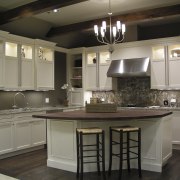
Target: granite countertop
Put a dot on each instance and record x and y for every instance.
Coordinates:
(127, 114)
(29, 110)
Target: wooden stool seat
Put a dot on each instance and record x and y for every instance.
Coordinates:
(124, 128)
(92, 130)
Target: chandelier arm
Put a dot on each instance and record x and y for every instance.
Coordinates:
(119, 35)
(106, 39)
(120, 40)
(101, 41)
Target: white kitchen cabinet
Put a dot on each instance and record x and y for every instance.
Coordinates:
(176, 129)
(19, 63)
(44, 59)
(105, 83)
(91, 71)
(27, 66)
(38, 132)
(11, 65)
(6, 134)
(76, 97)
(29, 131)
(22, 133)
(165, 66)
(174, 65)
(159, 79)
(75, 75)
(97, 65)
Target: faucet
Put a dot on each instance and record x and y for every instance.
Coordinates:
(25, 100)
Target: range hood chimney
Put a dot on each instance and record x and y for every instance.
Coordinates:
(129, 67)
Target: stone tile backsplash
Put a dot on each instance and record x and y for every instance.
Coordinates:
(136, 91)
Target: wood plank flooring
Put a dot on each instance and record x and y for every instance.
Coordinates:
(32, 166)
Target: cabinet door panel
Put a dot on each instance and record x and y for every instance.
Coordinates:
(176, 127)
(174, 73)
(158, 75)
(11, 73)
(45, 75)
(6, 137)
(27, 75)
(105, 82)
(91, 78)
(76, 97)
(22, 134)
(38, 132)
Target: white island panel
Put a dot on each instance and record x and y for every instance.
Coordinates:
(156, 142)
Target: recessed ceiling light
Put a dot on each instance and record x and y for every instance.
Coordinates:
(55, 10)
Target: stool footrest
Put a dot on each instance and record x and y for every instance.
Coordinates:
(92, 150)
(88, 162)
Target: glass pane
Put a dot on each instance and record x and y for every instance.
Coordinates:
(91, 58)
(11, 49)
(26, 52)
(104, 57)
(174, 51)
(158, 53)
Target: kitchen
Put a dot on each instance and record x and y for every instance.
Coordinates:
(154, 97)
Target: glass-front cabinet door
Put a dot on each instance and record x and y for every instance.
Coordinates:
(158, 67)
(91, 71)
(174, 65)
(105, 83)
(11, 78)
(27, 66)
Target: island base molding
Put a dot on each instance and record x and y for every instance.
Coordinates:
(156, 142)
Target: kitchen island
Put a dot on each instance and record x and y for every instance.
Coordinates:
(61, 136)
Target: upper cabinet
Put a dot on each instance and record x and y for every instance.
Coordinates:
(44, 59)
(11, 65)
(75, 75)
(91, 71)
(19, 63)
(159, 79)
(97, 64)
(165, 65)
(174, 65)
(26, 64)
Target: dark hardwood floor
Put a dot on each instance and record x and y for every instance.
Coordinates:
(32, 166)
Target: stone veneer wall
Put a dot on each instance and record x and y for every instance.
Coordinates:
(136, 91)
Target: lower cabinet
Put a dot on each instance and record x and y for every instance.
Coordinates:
(21, 131)
(6, 136)
(176, 129)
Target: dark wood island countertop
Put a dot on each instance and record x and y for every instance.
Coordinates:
(119, 115)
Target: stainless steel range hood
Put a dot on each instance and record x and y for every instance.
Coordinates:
(129, 67)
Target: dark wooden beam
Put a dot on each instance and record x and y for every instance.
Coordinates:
(126, 18)
(33, 8)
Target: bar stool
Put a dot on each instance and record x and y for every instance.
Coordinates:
(129, 148)
(82, 148)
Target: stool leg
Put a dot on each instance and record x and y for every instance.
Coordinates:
(77, 146)
(81, 154)
(139, 153)
(110, 151)
(128, 160)
(121, 154)
(97, 147)
(103, 156)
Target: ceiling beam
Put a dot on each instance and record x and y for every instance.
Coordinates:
(126, 18)
(34, 8)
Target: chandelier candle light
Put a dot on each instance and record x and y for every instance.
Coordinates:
(116, 33)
